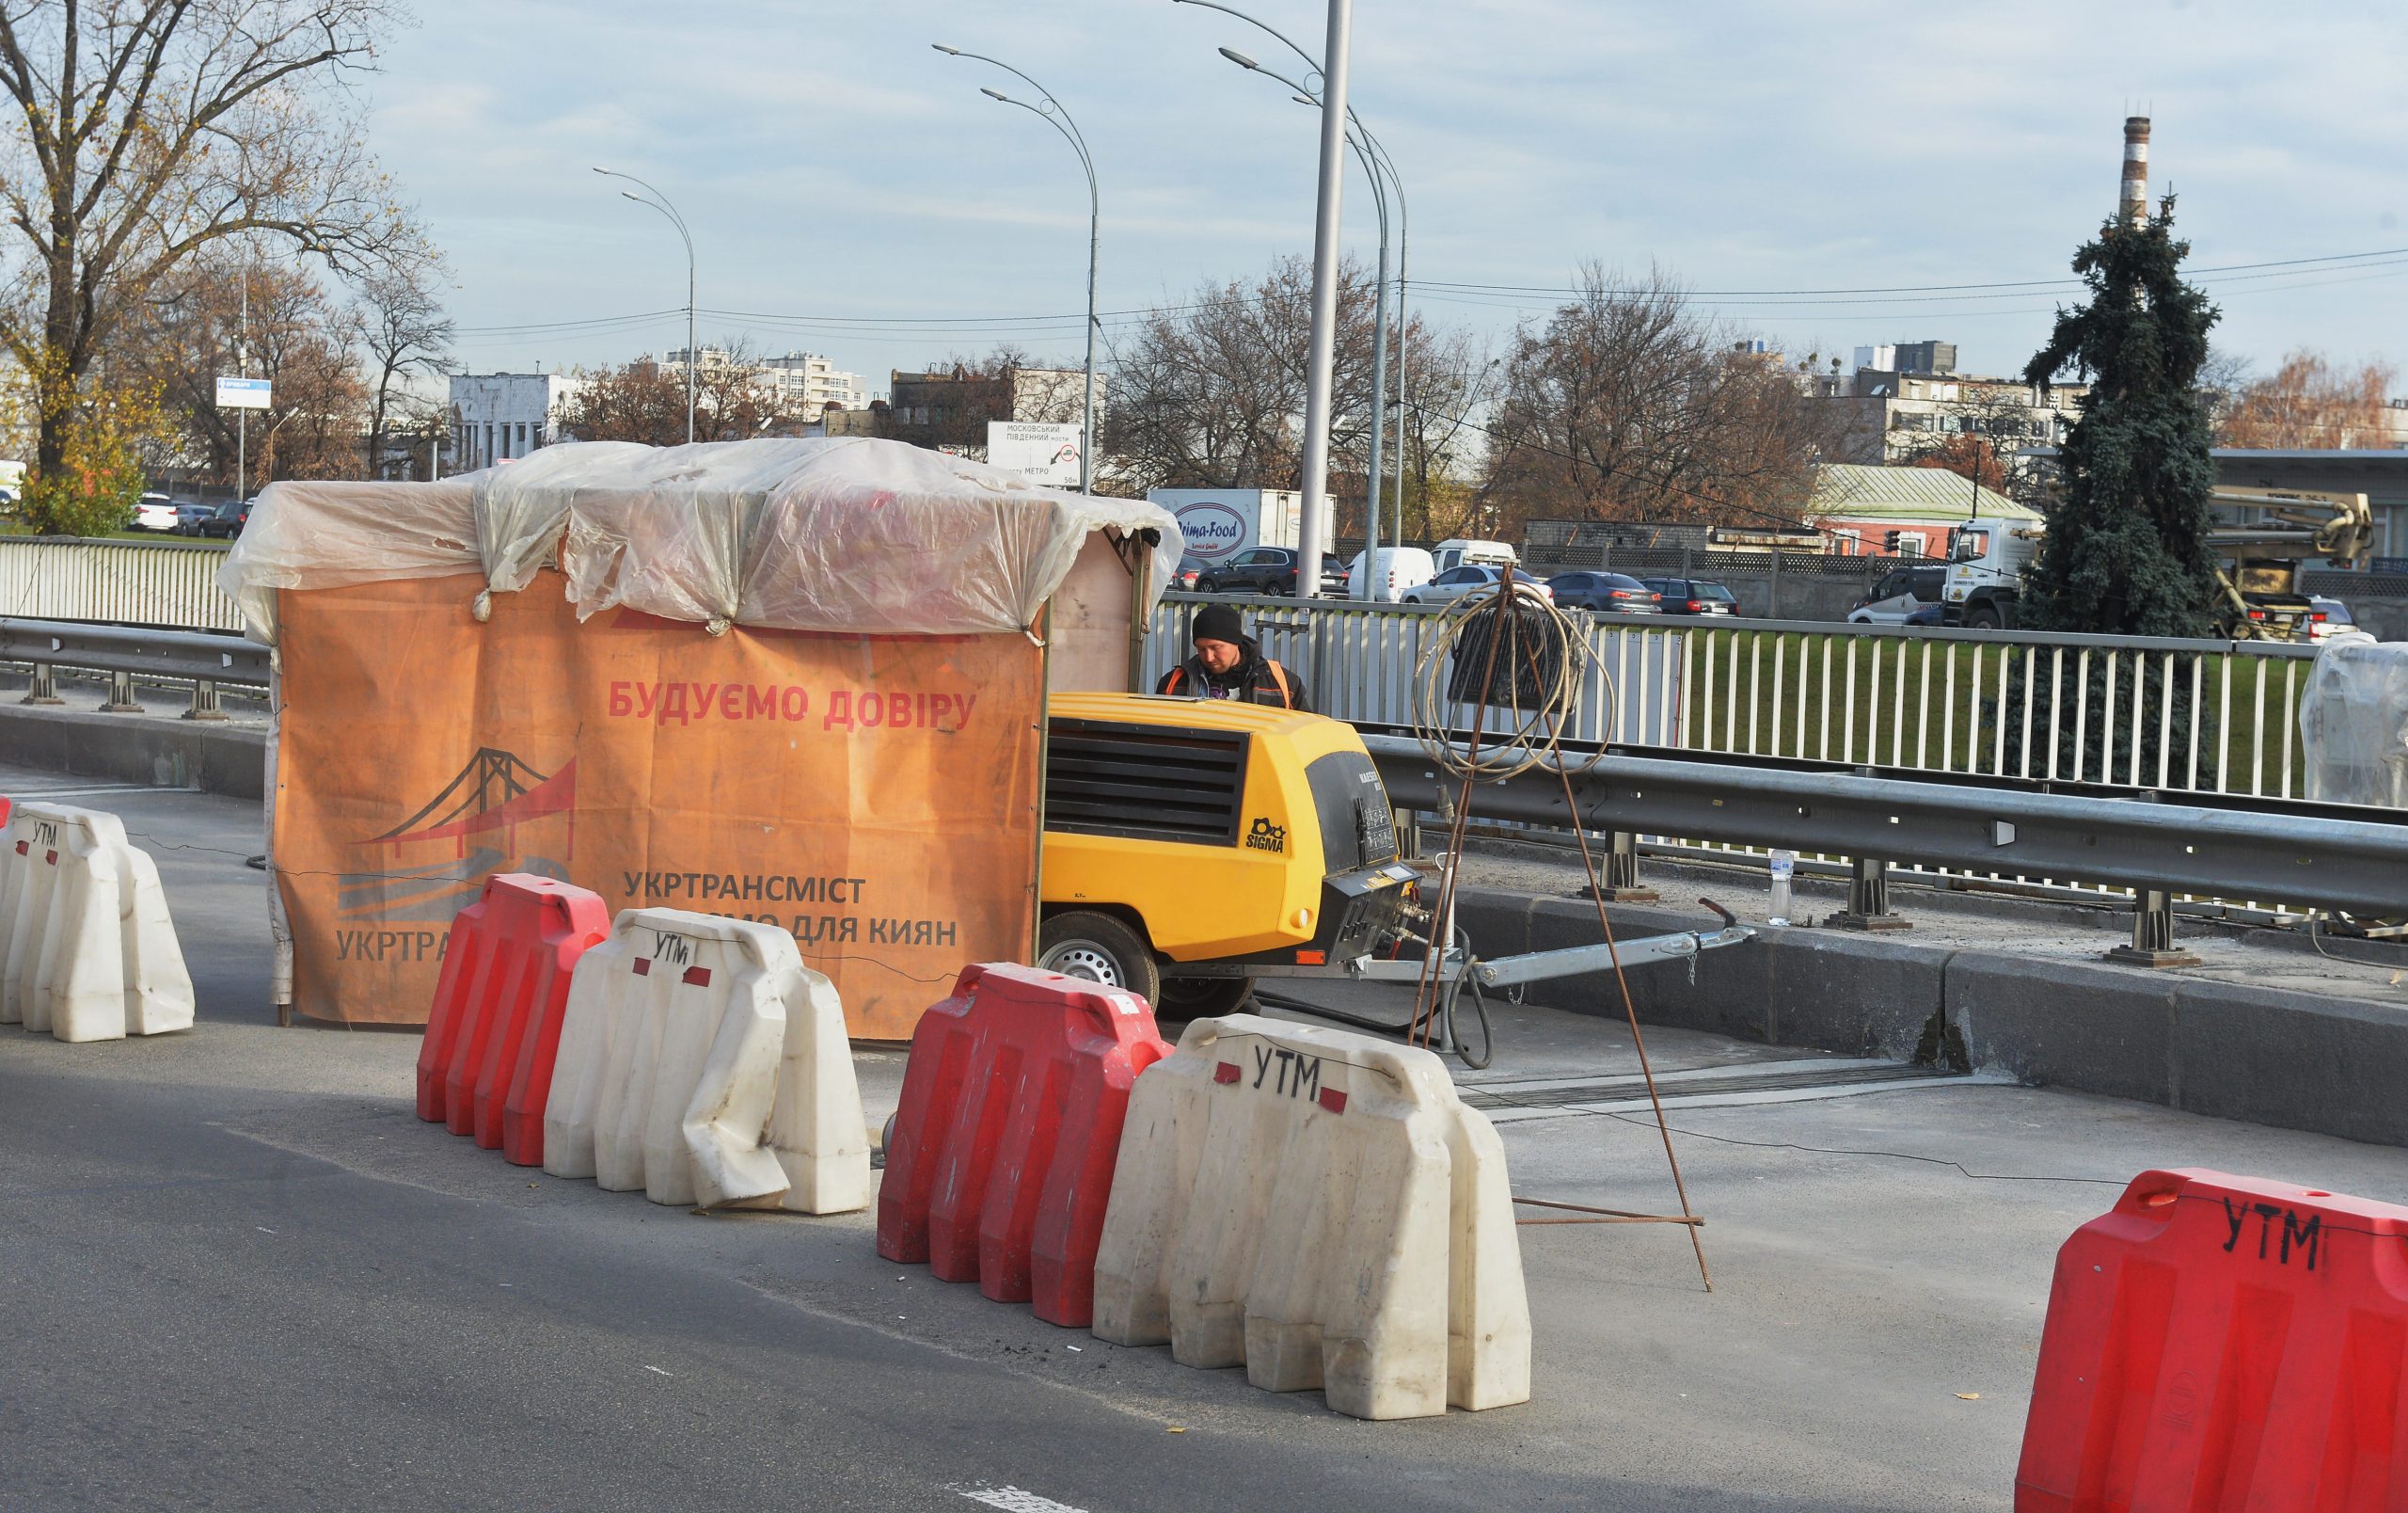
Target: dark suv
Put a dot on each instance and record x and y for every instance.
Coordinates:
(227, 519)
(1270, 571)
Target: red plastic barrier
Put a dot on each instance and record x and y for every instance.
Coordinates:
(2220, 1342)
(1002, 1156)
(485, 1066)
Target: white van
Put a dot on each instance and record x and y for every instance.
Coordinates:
(1457, 552)
(1401, 568)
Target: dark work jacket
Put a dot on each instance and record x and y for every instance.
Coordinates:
(1256, 678)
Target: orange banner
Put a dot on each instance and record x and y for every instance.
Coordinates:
(875, 795)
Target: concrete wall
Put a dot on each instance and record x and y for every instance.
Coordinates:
(130, 748)
(2385, 619)
(2264, 1055)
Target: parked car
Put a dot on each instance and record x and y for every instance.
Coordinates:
(227, 519)
(1692, 595)
(189, 516)
(1604, 592)
(1894, 597)
(1457, 581)
(154, 512)
(1926, 614)
(2327, 617)
(1270, 571)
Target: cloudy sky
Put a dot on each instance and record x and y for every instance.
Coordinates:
(1813, 170)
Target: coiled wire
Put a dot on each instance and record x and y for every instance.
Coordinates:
(1526, 633)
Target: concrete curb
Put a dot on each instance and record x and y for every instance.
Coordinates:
(134, 748)
(2268, 1055)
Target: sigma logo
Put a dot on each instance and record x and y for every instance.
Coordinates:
(1211, 531)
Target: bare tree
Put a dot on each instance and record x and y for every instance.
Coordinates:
(645, 402)
(1210, 393)
(1628, 405)
(194, 327)
(1450, 382)
(2311, 400)
(151, 130)
(405, 333)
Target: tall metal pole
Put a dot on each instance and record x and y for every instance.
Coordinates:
(661, 202)
(1086, 411)
(1396, 182)
(1403, 328)
(1325, 327)
(1060, 120)
(242, 417)
(1378, 397)
(694, 353)
(1359, 140)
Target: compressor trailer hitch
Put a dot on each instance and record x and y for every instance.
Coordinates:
(1460, 972)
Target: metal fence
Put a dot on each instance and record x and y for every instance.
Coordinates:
(2118, 713)
(1359, 663)
(2209, 716)
(163, 582)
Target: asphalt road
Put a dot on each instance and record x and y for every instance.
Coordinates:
(245, 1275)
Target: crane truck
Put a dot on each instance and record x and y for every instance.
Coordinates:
(2260, 561)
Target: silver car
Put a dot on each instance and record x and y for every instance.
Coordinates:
(1457, 581)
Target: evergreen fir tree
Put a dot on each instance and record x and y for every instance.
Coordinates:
(2124, 552)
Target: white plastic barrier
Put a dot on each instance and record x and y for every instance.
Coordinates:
(703, 1063)
(87, 950)
(1321, 1207)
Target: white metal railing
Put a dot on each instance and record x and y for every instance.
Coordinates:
(172, 583)
(2204, 716)
(1357, 661)
(2207, 716)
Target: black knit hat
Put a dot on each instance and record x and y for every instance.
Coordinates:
(1217, 622)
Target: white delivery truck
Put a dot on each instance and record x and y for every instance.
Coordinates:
(1455, 552)
(1218, 523)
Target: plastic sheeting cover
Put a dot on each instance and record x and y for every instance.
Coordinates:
(844, 535)
(2353, 722)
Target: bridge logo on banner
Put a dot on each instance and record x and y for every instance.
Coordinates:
(478, 814)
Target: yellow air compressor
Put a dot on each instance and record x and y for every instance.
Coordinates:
(1192, 844)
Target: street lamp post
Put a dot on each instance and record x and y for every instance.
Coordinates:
(661, 202)
(1325, 330)
(1396, 182)
(1059, 119)
(1356, 138)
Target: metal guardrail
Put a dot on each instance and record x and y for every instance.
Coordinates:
(2359, 865)
(126, 653)
(165, 583)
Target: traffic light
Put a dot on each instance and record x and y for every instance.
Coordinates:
(1890, 542)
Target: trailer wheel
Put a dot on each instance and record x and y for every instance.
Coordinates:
(1184, 999)
(1099, 948)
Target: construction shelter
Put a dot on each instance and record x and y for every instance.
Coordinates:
(793, 681)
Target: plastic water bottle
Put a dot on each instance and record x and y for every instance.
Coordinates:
(1784, 866)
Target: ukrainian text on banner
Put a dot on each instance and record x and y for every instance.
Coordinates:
(874, 795)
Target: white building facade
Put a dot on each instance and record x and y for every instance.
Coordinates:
(497, 416)
(803, 383)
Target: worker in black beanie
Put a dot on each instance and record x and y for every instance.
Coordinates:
(1227, 664)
